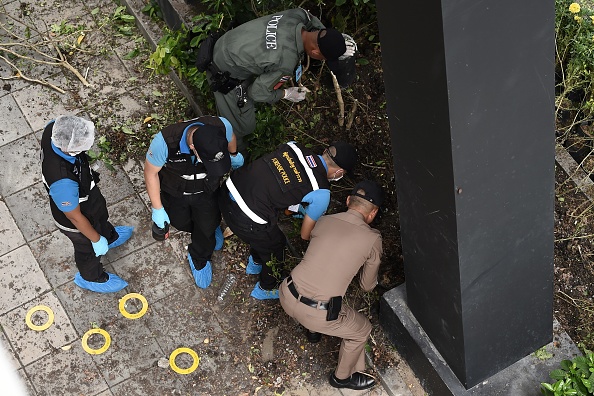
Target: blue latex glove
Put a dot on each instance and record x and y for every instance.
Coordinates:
(237, 161)
(100, 247)
(160, 217)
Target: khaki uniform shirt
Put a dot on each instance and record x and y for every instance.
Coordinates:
(266, 49)
(340, 245)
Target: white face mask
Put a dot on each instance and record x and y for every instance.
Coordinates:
(74, 153)
(334, 178)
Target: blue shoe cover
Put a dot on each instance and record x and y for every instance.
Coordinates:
(124, 232)
(252, 267)
(219, 239)
(260, 294)
(114, 284)
(202, 277)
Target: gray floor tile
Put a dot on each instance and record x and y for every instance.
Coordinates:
(115, 185)
(8, 353)
(31, 210)
(55, 255)
(70, 372)
(11, 235)
(88, 309)
(130, 212)
(40, 106)
(20, 166)
(30, 345)
(133, 349)
(152, 272)
(21, 279)
(12, 123)
(157, 381)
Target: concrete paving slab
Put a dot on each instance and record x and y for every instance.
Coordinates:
(8, 351)
(11, 236)
(130, 212)
(45, 14)
(70, 372)
(12, 123)
(31, 210)
(55, 255)
(19, 165)
(115, 185)
(152, 272)
(40, 106)
(26, 381)
(88, 309)
(21, 279)
(155, 381)
(133, 350)
(31, 345)
(135, 171)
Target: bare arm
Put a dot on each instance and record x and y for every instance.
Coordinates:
(153, 184)
(232, 146)
(82, 224)
(306, 227)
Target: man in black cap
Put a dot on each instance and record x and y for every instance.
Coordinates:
(252, 62)
(183, 170)
(290, 176)
(340, 245)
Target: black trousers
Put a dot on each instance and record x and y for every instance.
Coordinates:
(88, 264)
(199, 215)
(267, 241)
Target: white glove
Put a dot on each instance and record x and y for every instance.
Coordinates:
(295, 94)
(351, 47)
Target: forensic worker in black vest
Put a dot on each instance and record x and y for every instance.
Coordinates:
(292, 177)
(78, 207)
(252, 62)
(183, 171)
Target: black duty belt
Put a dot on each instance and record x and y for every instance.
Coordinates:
(307, 301)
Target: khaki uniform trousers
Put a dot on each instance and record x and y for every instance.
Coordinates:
(351, 326)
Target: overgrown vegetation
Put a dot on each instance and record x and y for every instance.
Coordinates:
(575, 377)
(275, 124)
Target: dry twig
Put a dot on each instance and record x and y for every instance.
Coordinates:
(339, 99)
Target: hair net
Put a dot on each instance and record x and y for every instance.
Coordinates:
(71, 133)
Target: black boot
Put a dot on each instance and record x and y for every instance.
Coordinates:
(313, 336)
(357, 381)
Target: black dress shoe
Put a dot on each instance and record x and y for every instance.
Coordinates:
(357, 381)
(313, 336)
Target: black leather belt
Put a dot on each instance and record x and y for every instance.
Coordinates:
(307, 301)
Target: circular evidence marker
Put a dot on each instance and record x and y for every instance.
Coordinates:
(98, 351)
(190, 352)
(140, 313)
(50, 317)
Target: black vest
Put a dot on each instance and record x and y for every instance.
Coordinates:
(278, 180)
(180, 175)
(54, 168)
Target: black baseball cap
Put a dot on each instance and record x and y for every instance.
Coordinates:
(346, 156)
(373, 192)
(332, 46)
(331, 43)
(210, 142)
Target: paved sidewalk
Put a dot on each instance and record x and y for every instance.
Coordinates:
(36, 260)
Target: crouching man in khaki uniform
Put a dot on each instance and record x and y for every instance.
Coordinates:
(340, 245)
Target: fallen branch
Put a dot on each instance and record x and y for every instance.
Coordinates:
(352, 115)
(20, 75)
(339, 99)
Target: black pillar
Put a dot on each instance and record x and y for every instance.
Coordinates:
(470, 92)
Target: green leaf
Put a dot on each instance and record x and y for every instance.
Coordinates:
(127, 130)
(558, 374)
(132, 54)
(340, 2)
(362, 61)
(157, 93)
(94, 11)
